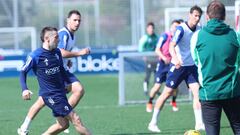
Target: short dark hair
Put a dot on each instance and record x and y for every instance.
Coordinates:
(46, 29)
(73, 12)
(176, 21)
(217, 10)
(150, 24)
(181, 20)
(197, 8)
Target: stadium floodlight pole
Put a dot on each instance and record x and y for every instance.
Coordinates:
(60, 13)
(133, 22)
(15, 23)
(137, 20)
(86, 28)
(97, 23)
(142, 17)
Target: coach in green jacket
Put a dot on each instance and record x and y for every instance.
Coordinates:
(148, 43)
(215, 51)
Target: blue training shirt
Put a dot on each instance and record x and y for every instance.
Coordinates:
(48, 67)
(163, 38)
(178, 34)
(182, 38)
(66, 42)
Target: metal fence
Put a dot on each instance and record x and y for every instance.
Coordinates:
(105, 23)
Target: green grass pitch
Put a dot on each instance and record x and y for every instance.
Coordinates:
(98, 109)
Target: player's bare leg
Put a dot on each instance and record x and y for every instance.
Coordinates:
(35, 108)
(152, 94)
(32, 112)
(173, 102)
(77, 91)
(199, 125)
(167, 92)
(154, 90)
(61, 124)
(80, 128)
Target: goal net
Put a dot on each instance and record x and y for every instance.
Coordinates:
(131, 78)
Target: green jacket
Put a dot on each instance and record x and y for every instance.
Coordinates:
(148, 43)
(215, 51)
(238, 35)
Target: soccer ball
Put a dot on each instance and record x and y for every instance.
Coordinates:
(192, 132)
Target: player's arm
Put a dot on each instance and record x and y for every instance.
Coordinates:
(26, 93)
(63, 43)
(68, 54)
(193, 44)
(142, 41)
(160, 44)
(176, 38)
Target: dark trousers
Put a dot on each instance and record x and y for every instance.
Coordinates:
(211, 111)
(150, 67)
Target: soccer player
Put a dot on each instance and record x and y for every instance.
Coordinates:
(148, 43)
(66, 44)
(46, 62)
(215, 50)
(182, 68)
(162, 50)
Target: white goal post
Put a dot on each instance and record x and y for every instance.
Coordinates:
(121, 73)
(131, 76)
(14, 36)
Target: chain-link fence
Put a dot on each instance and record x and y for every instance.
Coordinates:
(105, 23)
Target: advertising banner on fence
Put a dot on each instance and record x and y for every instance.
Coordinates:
(96, 62)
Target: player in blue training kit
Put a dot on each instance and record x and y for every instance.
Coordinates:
(47, 64)
(162, 50)
(66, 44)
(182, 67)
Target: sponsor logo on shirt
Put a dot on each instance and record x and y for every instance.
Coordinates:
(46, 61)
(50, 100)
(53, 70)
(57, 56)
(66, 108)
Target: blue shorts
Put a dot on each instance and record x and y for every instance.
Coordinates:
(71, 77)
(59, 105)
(176, 76)
(161, 72)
